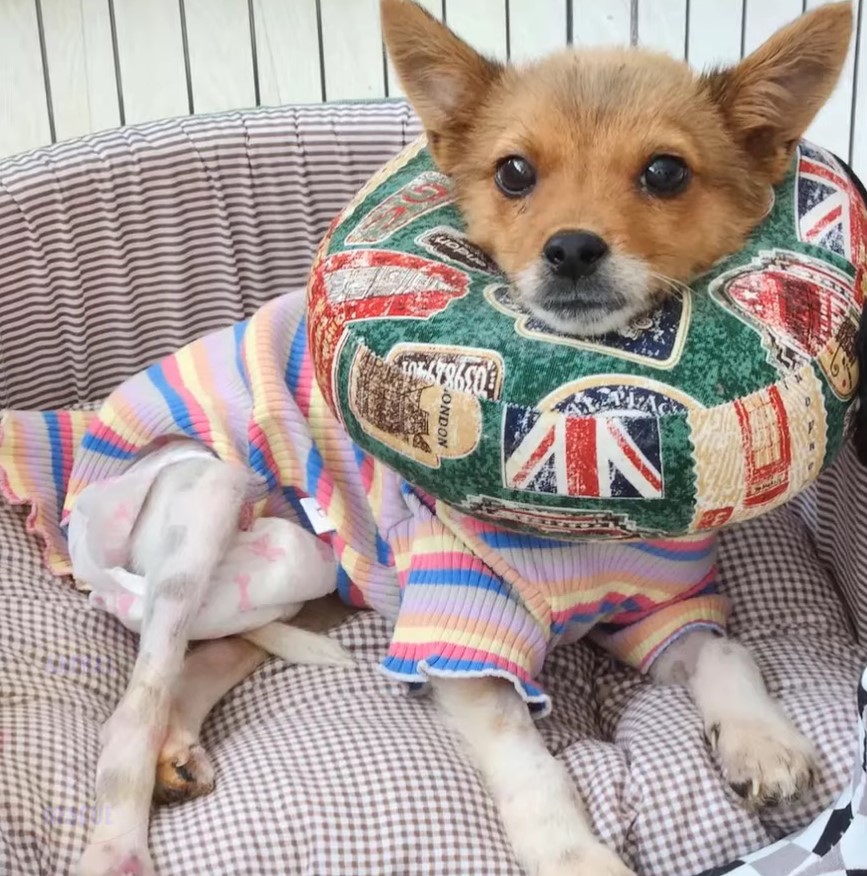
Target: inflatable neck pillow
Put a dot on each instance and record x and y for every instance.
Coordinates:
(720, 405)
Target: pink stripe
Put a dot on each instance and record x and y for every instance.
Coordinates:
(366, 470)
(194, 409)
(106, 433)
(629, 617)
(324, 490)
(449, 560)
(678, 545)
(66, 443)
(305, 385)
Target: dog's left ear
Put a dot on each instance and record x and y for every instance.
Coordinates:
(445, 79)
(770, 98)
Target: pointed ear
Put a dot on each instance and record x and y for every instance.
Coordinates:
(770, 98)
(444, 79)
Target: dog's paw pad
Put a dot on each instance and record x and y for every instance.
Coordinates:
(113, 859)
(183, 773)
(766, 763)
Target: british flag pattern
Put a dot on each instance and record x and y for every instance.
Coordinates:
(582, 456)
(830, 212)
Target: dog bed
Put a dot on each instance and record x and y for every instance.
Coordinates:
(433, 368)
(121, 247)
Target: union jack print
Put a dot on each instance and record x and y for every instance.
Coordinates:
(831, 213)
(602, 457)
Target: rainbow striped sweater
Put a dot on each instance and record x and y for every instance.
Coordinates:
(465, 597)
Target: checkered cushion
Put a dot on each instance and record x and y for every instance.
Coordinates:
(119, 249)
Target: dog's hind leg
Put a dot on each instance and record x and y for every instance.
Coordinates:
(210, 671)
(190, 515)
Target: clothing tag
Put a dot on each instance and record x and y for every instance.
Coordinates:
(317, 517)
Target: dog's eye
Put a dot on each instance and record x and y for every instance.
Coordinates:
(665, 176)
(515, 176)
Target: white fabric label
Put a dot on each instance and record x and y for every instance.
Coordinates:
(317, 517)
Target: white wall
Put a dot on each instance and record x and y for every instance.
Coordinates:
(68, 67)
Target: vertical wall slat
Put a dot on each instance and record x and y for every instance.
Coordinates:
(714, 32)
(81, 66)
(352, 46)
(287, 51)
(482, 23)
(601, 23)
(662, 26)
(763, 17)
(435, 7)
(859, 132)
(23, 103)
(151, 51)
(831, 126)
(221, 63)
(150, 54)
(536, 27)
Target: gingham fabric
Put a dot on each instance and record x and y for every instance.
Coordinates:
(116, 250)
(834, 844)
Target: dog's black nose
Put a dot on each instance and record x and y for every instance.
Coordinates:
(574, 254)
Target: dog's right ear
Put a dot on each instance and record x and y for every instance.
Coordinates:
(444, 78)
(770, 97)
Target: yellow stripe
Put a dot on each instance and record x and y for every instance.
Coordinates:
(636, 642)
(605, 586)
(269, 392)
(503, 648)
(190, 359)
(322, 431)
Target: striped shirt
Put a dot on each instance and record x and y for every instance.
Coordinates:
(465, 596)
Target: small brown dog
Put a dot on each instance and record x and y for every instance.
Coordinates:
(599, 181)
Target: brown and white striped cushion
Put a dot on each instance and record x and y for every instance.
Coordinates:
(118, 249)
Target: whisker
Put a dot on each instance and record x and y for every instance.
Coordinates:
(670, 284)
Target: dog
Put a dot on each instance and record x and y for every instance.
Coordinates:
(600, 181)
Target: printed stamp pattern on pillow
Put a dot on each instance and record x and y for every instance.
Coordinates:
(722, 404)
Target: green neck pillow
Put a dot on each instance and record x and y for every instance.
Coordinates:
(720, 405)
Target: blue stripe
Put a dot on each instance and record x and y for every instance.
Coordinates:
(56, 445)
(239, 330)
(294, 501)
(343, 583)
(503, 539)
(296, 357)
(606, 607)
(404, 666)
(314, 470)
(665, 554)
(383, 551)
(460, 578)
(260, 465)
(105, 447)
(360, 455)
(177, 406)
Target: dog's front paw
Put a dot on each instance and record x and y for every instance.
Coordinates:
(766, 761)
(184, 771)
(115, 858)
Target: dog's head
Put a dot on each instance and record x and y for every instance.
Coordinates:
(600, 180)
